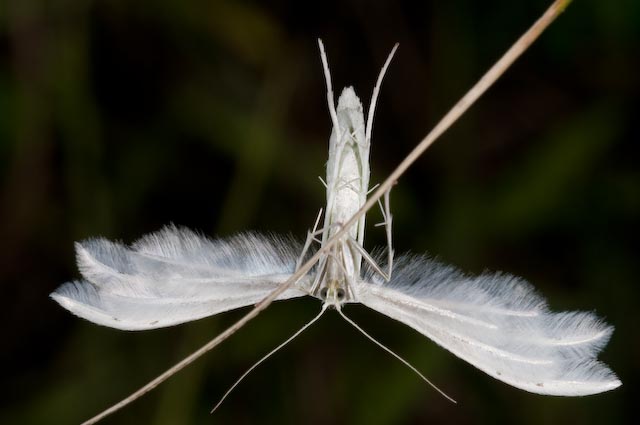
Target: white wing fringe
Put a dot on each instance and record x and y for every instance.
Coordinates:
(498, 323)
(174, 276)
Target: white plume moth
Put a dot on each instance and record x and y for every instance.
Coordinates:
(494, 321)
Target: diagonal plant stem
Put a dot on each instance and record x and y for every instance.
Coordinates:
(451, 117)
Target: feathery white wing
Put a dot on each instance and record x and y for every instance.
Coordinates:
(174, 276)
(497, 323)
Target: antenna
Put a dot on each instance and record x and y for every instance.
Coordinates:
(388, 350)
(269, 354)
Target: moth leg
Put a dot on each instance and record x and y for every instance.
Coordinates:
(330, 100)
(339, 256)
(374, 97)
(322, 269)
(322, 262)
(372, 189)
(311, 237)
(349, 277)
(342, 140)
(368, 258)
(388, 221)
(350, 185)
(362, 145)
(355, 140)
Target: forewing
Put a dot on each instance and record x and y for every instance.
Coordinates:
(174, 276)
(497, 323)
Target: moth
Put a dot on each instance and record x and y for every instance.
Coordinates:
(495, 321)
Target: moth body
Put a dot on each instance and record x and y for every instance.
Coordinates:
(347, 185)
(347, 167)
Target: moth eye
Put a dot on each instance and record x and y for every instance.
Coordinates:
(340, 294)
(323, 293)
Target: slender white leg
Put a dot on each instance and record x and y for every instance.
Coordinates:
(388, 221)
(368, 258)
(376, 90)
(330, 100)
(311, 236)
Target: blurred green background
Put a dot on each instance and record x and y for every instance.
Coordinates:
(117, 117)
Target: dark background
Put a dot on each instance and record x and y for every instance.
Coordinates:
(117, 117)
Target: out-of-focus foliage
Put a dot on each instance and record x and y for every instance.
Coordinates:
(117, 117)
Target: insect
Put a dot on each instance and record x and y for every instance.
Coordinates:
(496, 322)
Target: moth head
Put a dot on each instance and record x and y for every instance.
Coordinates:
(333, 294)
